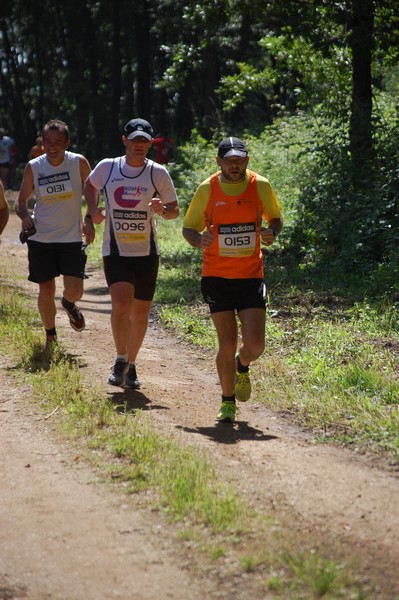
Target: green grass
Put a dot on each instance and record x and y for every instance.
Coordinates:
(330, 363)
(330, 359)
(184, 482)
(331, 356)
(336, 379)
(333, 375)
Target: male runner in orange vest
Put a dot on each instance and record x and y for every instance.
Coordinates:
(229, 208)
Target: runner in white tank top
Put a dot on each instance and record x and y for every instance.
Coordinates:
(135, 189)
(55, 228)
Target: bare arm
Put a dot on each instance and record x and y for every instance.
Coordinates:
(198, 240)
(268, 234)
(88, 227)
(21, 205)
(84, 168)
(167, 211)
(4, 210)
(92, 196)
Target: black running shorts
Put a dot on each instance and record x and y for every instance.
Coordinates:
(47, 261)
(233, 294)
(140, 271)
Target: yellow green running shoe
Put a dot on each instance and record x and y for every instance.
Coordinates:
(227, 412)
(243, 387)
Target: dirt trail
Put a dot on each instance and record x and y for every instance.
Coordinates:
(64, 535)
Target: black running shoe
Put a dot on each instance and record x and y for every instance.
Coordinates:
(76, 319)
(117, 374)
(131, 381)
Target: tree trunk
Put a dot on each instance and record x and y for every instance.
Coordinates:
(360, 133)
(114, 131)
(144, 63)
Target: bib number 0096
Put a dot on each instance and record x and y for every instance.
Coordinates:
(132, 226)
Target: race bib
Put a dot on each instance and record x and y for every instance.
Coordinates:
(237, 240)
(55, 188)
(130, 225)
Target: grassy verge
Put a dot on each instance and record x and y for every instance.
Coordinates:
(219, 524)
(330, 359)
(334, 376)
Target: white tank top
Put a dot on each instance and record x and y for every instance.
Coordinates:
(58, 208)
(130, 228)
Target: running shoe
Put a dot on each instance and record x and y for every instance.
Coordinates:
(117, 374)
(242, 388)
(227, 412)
(76, 319)
(131, 381)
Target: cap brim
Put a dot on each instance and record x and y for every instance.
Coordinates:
(139, 134)
(235, 153)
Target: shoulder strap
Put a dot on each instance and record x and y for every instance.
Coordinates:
(152, 179)
(112, 168)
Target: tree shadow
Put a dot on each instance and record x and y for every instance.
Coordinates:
(231, 433)
(102, 305)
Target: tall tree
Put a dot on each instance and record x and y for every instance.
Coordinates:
(361, 42)
(214, 65)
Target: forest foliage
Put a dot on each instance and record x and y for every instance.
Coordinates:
(316, 81)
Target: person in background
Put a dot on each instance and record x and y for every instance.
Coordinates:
(229, 208)
(8, 158)
(55, 247)
(4, 210)
(37, 149)
(136, 189)
(163, 146)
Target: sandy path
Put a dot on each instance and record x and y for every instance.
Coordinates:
(65, 535)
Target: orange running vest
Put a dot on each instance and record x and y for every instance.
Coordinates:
(235, 252)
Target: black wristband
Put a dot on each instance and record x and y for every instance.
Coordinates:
(275, 232)
(88, 217)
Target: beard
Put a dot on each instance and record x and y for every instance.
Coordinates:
(234, 174)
